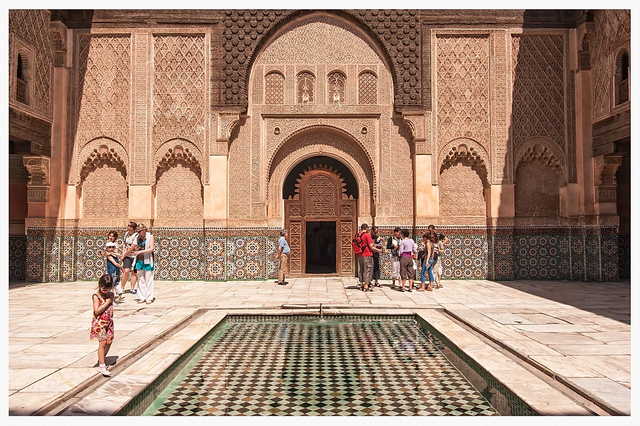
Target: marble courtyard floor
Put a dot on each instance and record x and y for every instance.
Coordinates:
(564, 347)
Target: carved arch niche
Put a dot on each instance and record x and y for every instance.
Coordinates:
(321, 196)
(178, 189)
(103, 187)
(538, 178)
(463, 181)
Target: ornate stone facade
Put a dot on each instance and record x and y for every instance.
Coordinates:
(470, 120)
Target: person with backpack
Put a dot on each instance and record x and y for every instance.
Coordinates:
(393, 244)
(364, 248)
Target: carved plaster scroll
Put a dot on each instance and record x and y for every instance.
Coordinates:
(227, 123)
(605, 168)
(415, 122)
(38, 184)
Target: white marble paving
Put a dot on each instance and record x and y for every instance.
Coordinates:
(569, 326)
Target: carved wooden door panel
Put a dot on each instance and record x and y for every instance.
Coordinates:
(321, 197)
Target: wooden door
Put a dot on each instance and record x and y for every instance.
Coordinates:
(321, 196)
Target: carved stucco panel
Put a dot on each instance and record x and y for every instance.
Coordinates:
(319, 39)
(538, 88)
(31, 28)
(103, 103)
(462, 83)
(612, 28)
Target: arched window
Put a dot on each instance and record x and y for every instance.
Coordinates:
(274, 88)
(622, 77)
(21, 86)
(306, 86)
(336, 83)
(367, 88)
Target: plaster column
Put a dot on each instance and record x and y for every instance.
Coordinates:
(501, 201)
(215, 194)
(426, 193)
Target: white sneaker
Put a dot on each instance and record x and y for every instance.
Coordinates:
(104, 371)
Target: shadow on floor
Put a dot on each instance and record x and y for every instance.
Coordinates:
(611, 300)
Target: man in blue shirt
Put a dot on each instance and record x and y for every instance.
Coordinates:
(283, 254)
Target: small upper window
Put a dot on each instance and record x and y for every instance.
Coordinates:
(367, 88)
(274, 88)
(21, 86)
(336, 82)
(622, 77)
(306, 83)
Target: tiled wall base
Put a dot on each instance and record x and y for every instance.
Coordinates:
(594, 254)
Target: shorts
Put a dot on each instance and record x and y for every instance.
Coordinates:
(406, 268)
(130, 263)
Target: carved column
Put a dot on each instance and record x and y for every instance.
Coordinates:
(63, 196)
(38, 186)
(426, 201)
(605, 168)
(216, 193)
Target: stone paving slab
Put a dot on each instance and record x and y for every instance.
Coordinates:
(599, 312)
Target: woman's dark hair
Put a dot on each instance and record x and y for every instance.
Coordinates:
(374, 229)
(105, 282)
(434, 237)
(396, 229)
(115, 234)
(426, 235)
(405, 233)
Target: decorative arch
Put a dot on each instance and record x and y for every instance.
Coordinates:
(102, 180)
(538, 177)
(543, 149)
(329, 143)
(99, 151)
(329, 130)
(471, 151)
(179, 149)
(357, 25)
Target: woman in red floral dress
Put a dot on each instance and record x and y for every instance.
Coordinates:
(102, 323)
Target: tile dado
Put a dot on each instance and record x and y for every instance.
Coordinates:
(576, 253)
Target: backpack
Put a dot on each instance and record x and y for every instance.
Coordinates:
(390, 243)
(357, 244)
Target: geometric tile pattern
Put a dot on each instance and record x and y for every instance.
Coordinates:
(179, 258)
(466, 257)
(624, 256)
(245, 258)
(17, 257)
(215, 258)
(313, 369)
(182, 254)
(542, 257)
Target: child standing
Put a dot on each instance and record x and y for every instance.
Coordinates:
(102, 323)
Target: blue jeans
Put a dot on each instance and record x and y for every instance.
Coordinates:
(427, 269)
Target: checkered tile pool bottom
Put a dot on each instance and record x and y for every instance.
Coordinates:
(313, 369)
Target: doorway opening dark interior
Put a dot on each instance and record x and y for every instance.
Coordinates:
(321, 247)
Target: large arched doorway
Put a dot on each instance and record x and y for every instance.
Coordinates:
(321, 216)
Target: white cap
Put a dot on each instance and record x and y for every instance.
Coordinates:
(111, 244)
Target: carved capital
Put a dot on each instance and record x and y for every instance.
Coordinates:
(605, 167)
(227, 122)
(416, 124)
(39, 170)
(58, 34)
